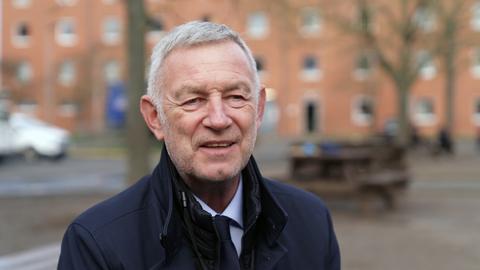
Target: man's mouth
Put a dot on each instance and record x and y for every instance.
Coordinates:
(217, 144)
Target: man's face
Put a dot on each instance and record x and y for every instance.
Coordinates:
(211, 115)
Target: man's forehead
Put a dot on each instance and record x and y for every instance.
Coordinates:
(209, 44)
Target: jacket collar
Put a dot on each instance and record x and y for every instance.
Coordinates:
(273, 215)
(171, 234)
(170, 223)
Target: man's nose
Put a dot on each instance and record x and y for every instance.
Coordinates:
(217, 118)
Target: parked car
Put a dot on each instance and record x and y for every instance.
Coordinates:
(7, 136)
(31, 137)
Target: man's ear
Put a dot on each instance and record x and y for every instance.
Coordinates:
(151, 117)
(260, 106)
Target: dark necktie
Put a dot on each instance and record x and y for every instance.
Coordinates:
(228, 255)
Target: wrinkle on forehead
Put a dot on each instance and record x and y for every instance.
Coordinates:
(203, 89)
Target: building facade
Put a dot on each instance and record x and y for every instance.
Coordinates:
(64, 61)
(60, 57)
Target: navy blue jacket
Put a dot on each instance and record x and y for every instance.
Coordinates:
(138, 229)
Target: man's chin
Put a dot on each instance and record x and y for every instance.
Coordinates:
(217, 174)
(217, 177)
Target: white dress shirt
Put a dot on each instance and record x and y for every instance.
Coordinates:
(234, 211)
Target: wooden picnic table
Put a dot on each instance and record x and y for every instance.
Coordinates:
(380, 171)
(330, 165)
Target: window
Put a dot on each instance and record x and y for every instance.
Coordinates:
(365, 19)
(475, 69)
(27, 107)
(309, 63)
(111, 71)
(272, 113)
(155, 24)
(257, 24)
(65, 32)
(426, 67)
(310, 69)
(67, 73)
(476, 112)
(65, 3)
(424, 18)
(21, 34)
(475, 20)
(155, 30)
(260, 64)
(311, 117)
(21, 3)
(310, 21)
(363, 110)
(111, 31)
(68, 109)
(363, 66)
(24, 72)
(424, 112)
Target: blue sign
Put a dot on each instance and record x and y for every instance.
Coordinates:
(116, 105)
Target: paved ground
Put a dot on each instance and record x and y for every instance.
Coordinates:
(435, 227)
(72, 175)
(28, 222)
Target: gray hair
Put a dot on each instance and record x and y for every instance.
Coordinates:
(189, 35)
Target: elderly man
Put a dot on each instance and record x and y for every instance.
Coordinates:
(206, 205)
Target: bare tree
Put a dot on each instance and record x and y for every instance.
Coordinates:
(451, 18)
(137, 134)
(394, 32)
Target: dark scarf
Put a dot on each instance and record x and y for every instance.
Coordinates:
(198, 224)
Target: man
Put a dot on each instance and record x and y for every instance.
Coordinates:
(206, 205)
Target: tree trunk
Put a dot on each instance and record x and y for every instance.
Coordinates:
(403, 132)
(449, 95)
(450, 76)
(137, 134)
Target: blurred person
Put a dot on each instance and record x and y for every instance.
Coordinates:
(445, 143)
(206, 205)
(415, 139)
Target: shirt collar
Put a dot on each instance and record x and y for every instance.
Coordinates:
(234, 209)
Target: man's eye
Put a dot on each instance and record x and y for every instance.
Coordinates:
(192, 103)
(236, 100)
(237, 97)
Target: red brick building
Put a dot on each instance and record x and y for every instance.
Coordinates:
(58, 56)
(60, 59)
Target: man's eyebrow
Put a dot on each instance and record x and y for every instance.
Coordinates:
(239, 85)
(188, 89)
